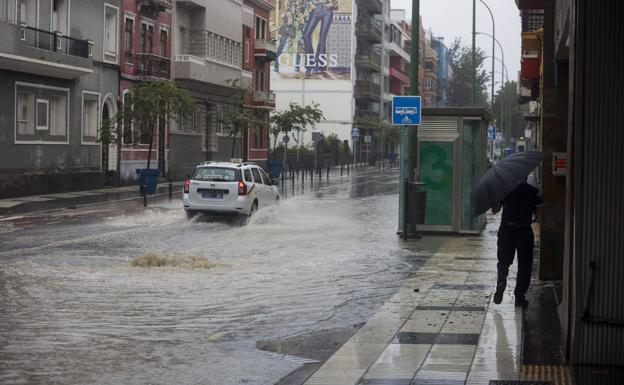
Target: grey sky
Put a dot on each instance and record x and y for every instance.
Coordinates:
(453, 18)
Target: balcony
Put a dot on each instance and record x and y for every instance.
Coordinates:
(36, 51)
(399, 74)
(198, 69)
(264, 99)
(366, 119)
(265, 48)
(150, 65)
(365, 89)
(530, 69)
(370, 61)
(368, 28)
(249, 17)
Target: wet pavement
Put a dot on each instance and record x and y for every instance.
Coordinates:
(317, 290)
(73, 310)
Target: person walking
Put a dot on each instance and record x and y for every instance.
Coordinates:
(515, 234)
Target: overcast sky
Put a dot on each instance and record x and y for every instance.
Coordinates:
(453, 18)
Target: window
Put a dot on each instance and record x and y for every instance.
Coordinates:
(59, 16)
(163, 42)
(260, 28)
(428, 84)
(43, 115)
(90, 116)
(27, 12)
(256, 175)
(40, 114)
(259, 86)
(147, 37)
(216, 174)
(259, 137)
(25, 113)
(129, 39)
(267, 181)
(110, 32)
(194, 122)
(248, 176)
(127, 123)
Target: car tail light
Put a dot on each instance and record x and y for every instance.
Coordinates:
(187, 186)
(242, 188)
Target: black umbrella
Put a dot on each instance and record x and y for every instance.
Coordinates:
(503, 177)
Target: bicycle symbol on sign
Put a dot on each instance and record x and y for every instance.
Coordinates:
(406, 120)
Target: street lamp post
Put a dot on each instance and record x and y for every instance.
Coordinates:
(474, 53)
(493, 46)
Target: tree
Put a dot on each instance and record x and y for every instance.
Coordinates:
(460, 84)
(295, 119)
(152, 100)
(507, 112)
(238, 116)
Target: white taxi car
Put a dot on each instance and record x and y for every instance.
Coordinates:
(228, 188)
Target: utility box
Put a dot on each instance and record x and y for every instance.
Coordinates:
(452, 148)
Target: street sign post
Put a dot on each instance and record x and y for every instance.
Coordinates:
(406, 110)
(355, 136)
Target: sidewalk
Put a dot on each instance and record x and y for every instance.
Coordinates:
(441, 328)
(32, 203)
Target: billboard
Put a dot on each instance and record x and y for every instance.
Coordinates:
(313, 39)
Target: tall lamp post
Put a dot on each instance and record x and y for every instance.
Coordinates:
(493, 46)
(473, 96)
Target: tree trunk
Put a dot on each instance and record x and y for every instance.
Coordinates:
(151, 144)
(233, 145)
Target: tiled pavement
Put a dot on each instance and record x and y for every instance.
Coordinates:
(440, 328)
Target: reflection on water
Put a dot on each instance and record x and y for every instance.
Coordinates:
(307, 264)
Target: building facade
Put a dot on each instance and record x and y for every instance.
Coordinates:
(59, 65)
(430, 86)
(443, 72)
(145, 31)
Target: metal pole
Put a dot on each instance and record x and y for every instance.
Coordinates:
(493, 48)
(409, 134)
(474, 53)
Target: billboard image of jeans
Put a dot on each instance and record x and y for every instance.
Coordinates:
(313, 39)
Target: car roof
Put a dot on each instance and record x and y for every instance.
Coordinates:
(226, 164)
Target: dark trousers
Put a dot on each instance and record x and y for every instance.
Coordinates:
(512, 238)
(320, 14)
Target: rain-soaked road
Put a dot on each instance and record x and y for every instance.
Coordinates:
(73, 310)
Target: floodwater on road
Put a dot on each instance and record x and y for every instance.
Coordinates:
(82, 302)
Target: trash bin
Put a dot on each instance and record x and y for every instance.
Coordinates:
(148, 179)
(416, 204)
(275, 168)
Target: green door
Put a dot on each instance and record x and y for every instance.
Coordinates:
(436, 171)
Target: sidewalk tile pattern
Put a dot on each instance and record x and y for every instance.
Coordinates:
(439, 328)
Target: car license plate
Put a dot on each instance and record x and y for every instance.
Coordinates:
(213, 195)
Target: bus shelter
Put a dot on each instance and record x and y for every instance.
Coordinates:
(452, 145)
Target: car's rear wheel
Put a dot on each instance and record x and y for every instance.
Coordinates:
(190, 214)
(254, 208)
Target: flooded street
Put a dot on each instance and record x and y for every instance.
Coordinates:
(82, 302)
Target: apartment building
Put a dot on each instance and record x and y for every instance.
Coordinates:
(430, 86)
(258, 54)
(145, 31)
(220, 47)
(443, 72)
(59, 78)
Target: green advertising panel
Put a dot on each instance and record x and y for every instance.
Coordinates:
(436, 171)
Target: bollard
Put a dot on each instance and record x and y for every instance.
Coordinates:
(348, 166)
(340, 169)
(144, 196)
(170, 191)
(327, 172)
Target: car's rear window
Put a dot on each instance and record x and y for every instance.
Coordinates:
(216, 174)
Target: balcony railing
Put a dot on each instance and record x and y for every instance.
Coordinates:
(367, 89)
(55, 42)
(148, 64)
(268, 46)
(368, 27)
(264, 97)
(371, 60)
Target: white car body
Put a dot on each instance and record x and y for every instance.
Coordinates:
(228, 188)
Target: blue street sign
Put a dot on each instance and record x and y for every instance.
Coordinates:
(492, 132)
(355, 132)
(406, 110)
(286, 139)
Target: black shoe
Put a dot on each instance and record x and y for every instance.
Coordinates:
(500, 289)
(521, 302)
